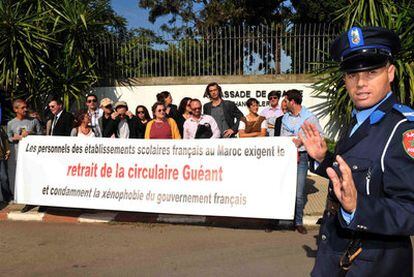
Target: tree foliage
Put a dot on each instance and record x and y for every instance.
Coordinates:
(46, 47)
(190, 14)
(315, 11)
(397, 16)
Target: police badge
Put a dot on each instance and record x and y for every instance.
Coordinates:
(408, 142)
(355, 37)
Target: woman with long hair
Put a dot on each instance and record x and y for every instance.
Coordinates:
(184, 113)
(142, 114)
(161, 127)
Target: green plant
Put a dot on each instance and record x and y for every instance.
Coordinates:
(46, 47)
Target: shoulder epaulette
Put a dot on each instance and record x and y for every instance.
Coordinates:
(405, 111)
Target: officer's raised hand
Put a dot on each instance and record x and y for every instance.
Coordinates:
(313, 141)
(343, 185)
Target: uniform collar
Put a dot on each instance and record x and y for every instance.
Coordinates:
(374, 113)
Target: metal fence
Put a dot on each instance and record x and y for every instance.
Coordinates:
(242, 50)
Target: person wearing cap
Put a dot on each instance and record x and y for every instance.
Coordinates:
(272, 112)
(108, 130)
(369, 215)
(125, 123)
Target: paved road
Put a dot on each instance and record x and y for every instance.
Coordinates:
(39, 249)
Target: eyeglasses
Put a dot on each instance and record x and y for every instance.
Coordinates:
(91, 101)
(161, 110)
(273, 97)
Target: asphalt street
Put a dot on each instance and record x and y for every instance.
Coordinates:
(52, 249)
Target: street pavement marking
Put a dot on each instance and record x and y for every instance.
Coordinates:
(29, 216)
(97, 217)
(168, 218)
(311, 220)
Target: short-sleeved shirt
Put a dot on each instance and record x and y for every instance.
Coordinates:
(16, 126)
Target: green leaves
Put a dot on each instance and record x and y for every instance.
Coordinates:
(46, 47)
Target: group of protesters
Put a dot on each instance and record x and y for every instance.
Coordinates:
(220, 119)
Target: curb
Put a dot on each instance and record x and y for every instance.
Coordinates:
(80, 216)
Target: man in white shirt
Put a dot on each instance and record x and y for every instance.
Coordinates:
(94, 112)
(191, 125)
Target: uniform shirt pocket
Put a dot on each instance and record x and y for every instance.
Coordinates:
(361, 173)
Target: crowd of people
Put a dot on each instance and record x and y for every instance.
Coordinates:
(218, 118)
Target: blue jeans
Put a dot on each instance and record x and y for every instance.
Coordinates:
(300, 187)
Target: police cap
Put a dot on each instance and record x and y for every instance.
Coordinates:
(366, 48)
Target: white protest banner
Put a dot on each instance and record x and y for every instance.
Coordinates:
(224, 177)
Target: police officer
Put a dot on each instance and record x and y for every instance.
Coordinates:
(369, 217)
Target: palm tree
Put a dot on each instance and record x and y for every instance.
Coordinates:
(46, 47)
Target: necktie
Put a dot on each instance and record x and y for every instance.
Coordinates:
(55, 119)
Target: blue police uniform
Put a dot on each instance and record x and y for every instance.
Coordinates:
(380, 153)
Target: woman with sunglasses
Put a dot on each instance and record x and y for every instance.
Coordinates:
(143, 115)
(161, 127)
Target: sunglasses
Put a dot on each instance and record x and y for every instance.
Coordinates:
(161, 110)
(195, 109)
(108, 106)
(91, 101)
(140, 112)
(273, 97)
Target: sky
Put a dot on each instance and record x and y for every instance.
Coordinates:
(135, 16)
